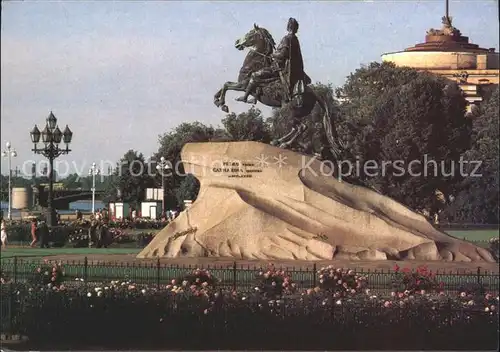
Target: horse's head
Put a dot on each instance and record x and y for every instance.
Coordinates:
(258, 39)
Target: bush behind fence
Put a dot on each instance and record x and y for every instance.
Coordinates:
(148, 318)
(241, 277)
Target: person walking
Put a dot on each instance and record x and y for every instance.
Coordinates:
(33, 232)
(3, 235)
(44, 235)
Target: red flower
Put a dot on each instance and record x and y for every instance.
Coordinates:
(396, 268)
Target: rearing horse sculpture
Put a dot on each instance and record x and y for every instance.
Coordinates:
(270, 91)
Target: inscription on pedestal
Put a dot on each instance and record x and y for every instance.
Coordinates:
(237, 169)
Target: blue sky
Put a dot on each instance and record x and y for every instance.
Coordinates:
(121, 73)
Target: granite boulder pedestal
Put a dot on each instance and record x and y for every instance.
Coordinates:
(257, 201)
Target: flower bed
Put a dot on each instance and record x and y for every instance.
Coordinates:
(192, 312)
(76, 234)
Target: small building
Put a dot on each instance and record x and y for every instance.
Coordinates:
(151, 209)
(119, 210)
(446, 52)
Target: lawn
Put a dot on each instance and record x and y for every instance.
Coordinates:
(474, 235)
(43, 252)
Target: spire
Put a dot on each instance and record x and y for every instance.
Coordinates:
(447, 14)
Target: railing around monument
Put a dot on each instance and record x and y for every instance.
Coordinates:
(236, 277)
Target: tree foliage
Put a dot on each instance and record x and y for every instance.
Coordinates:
(247, 126)
(477, 201)
(170, 146)
(412, 126)
(132, 179)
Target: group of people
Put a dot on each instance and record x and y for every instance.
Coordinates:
(39, 233)
(99, 233)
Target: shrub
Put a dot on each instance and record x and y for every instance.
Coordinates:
(196, 280)
(273, 283)
(411, 281)
(48, 274)
(341, 282)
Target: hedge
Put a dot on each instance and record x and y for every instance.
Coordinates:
(193, 313)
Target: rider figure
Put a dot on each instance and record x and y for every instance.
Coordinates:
(288, 66)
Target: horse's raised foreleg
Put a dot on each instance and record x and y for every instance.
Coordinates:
(279, 141)
(220, 96)
(299, 131)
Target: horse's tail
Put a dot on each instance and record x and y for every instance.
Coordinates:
(336, 146)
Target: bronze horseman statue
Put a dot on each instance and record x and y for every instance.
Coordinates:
(287, 65)
(276, 78)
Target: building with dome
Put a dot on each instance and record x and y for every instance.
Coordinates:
(448, 53)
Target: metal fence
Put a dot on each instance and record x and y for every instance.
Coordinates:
(236, 277)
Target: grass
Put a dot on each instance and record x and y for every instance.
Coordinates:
(474, 235)
(44, 252)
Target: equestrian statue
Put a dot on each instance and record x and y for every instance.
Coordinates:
(275, 77)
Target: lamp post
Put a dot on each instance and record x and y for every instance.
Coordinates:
(93, 171)
(51, 138)
(164, 168)
(9, 153)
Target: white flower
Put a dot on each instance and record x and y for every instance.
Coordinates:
(278, 302)
(339, 302)
(106, 288)
(470, 303)
(486, 309)
(99, 293)
(124, 283)
(97, 289)
(243, 298)
(463, 294)
(49, 285)
(89, 294)
(367, 291)
(143, 291)
(257, 289)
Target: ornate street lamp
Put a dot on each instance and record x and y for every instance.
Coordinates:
(93, 171)
(9, 153)
(165, 170)
(51, 138)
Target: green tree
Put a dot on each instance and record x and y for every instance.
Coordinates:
(71, 181)
(477, 201)
(187, 190)
(171, 144)
(247, 126)
(408, 121)
(132, 178)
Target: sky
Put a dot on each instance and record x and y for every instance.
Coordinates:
(120, 73)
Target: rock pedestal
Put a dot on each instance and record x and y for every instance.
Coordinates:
(257, 201)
